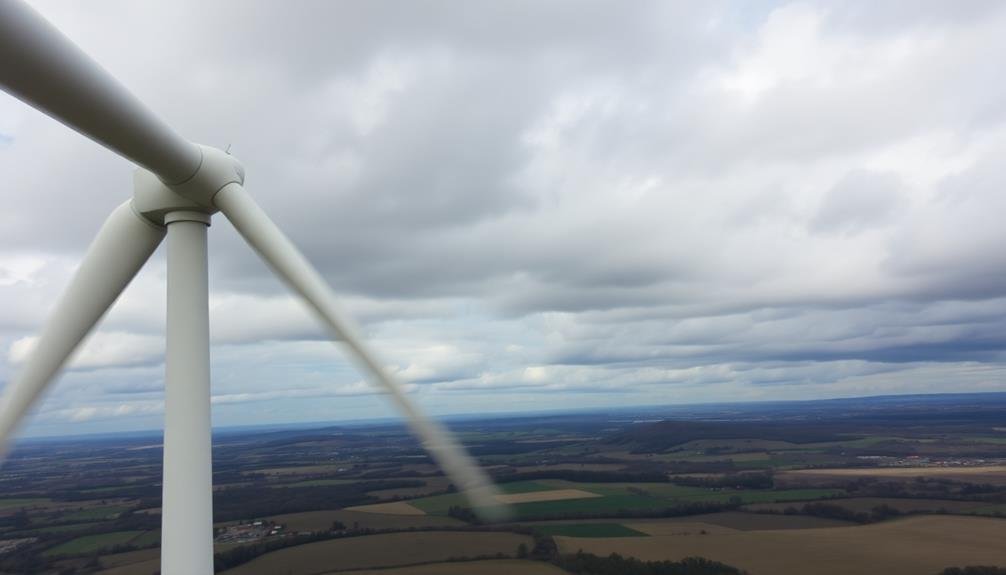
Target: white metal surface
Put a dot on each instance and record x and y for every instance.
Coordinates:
(117, 253)
(41, 66)
(286, 260)
(187, 504)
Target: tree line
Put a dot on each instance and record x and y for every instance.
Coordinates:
(614, 564)
(259, 501)
(835, 511)
(585, 476)
(746, 480)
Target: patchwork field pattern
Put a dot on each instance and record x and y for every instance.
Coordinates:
(553, 497)
(323, 520)
(590, 530)
(375, 551)
(393, 508)
(924, 544)
(994, 474)
(490, 567)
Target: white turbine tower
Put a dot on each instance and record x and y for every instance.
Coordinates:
(177, 189)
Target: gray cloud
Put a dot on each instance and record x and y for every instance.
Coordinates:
(859, 201)
(652, 202)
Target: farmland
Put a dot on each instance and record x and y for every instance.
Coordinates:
(490, 567)
(91, 543)
(901, 504)
(759, 489)
(96, 513)
(21, 503)
(994, 474)
(903, 547)
(590, 530)
(730, 521)
(373, 551)
(322, 520)
(393, 508)
(553, 498)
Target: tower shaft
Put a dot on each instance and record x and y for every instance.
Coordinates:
(187, 504)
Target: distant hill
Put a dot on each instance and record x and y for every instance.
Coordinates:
(664, 435)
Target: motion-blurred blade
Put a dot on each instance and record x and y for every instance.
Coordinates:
(286, 260)
(41, 66)
(120, 249)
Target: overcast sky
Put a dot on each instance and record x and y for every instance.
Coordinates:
(539, 205)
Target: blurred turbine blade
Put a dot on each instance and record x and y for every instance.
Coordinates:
(286, 261)
(117, 253)
(42, 67)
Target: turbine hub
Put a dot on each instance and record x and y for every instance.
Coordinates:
(153, 199)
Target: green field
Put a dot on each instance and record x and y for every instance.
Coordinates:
(439, 504)
(996, 510)
(382, 550)
(590, 530)
(617, 497)
(317, 483)
(15, 503)
(147, 539)
(606, 504)
(104, 489)
(62, 528)
(92, 543)
(95, 513)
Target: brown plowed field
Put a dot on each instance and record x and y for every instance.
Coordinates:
(913, 546)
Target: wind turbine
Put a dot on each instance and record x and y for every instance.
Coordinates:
(177, 188)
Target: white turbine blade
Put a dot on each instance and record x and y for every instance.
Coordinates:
(41, 66)
(286, 260)
(120, 249)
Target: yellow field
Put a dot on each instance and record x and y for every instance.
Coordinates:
(491, 567)
(924, 544)
(388, 550)
(985, 474)
(393, 508)
(322, 520)
(553, 495)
